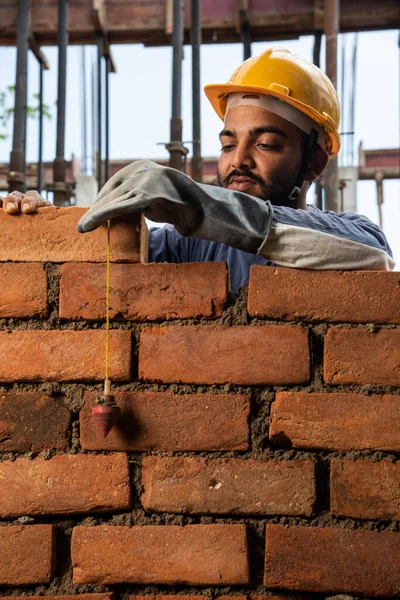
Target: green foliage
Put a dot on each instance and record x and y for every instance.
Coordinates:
(7, 109)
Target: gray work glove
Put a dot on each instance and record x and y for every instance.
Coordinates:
(166, 195)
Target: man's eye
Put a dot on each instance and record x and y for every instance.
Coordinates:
(267, 146)
(227, 148)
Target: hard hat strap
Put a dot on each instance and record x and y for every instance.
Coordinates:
(309, 146)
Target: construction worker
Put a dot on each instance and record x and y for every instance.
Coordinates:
(281, 117)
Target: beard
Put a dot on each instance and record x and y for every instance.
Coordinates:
(276, 192)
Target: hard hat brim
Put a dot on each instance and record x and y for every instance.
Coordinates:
(217, 94)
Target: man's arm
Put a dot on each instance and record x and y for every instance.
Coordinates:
(313, 239)
(308, 239)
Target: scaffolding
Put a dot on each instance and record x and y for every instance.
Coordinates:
(32, 24)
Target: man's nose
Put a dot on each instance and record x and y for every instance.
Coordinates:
(242, 157)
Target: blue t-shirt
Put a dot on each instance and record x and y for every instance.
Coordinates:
(167, 245)
(318, 229)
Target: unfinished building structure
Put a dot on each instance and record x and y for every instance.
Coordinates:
(32, 24)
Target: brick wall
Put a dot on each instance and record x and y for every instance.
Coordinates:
(256, 453)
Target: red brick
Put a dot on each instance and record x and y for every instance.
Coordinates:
(260, 597)
(193, 555)
(365, 490)
(27, 554)
(228, 485)
(330, 296)
(23, 290)
(335, 421)
(106, 596)
(205, 597)
(31, 421)
(51, 235)
(171, 422)
(43, 355)
(144, 292)
(69, 484)
(262, 355)
(169, 597)
(279, 597)
(360, 356)
(312, 559)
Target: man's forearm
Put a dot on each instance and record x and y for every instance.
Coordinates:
(302, 248)
(313, 239)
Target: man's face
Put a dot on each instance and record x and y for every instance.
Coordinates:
(260, 154)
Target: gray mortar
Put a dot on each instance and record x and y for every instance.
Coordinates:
(53, 291)
(260, 449)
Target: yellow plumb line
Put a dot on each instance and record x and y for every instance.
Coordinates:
(106, 382)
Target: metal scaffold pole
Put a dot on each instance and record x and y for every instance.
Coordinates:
(244, 27)
(93, 108)
(317, 62)
(16, 177)
(84, 112)
(331, 28)
(197, 162)
(61, 193)
(246, 40)
(40, 149)
(100, 50)
(107, 117)
(176, 147)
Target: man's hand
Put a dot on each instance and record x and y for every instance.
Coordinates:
(17, 202)
(161, 194)
(196, 210)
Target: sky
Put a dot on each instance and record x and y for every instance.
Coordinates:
(140, 103)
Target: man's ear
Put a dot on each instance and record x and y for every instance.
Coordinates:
(318, 163)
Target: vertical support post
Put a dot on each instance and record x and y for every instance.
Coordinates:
(197, 161)
(93, 120)
(16, 176)
(84, 112)
(100, 50)
(243, 26)
(175, 146)
(107, 117)
(379, 192)
(60, 190)
(342, 105)
(353, 98)
(246, 39)
(331, 28)
(317, 63)
(40, 149)
(317, 49)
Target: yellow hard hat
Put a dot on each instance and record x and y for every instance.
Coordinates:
(291, 79)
